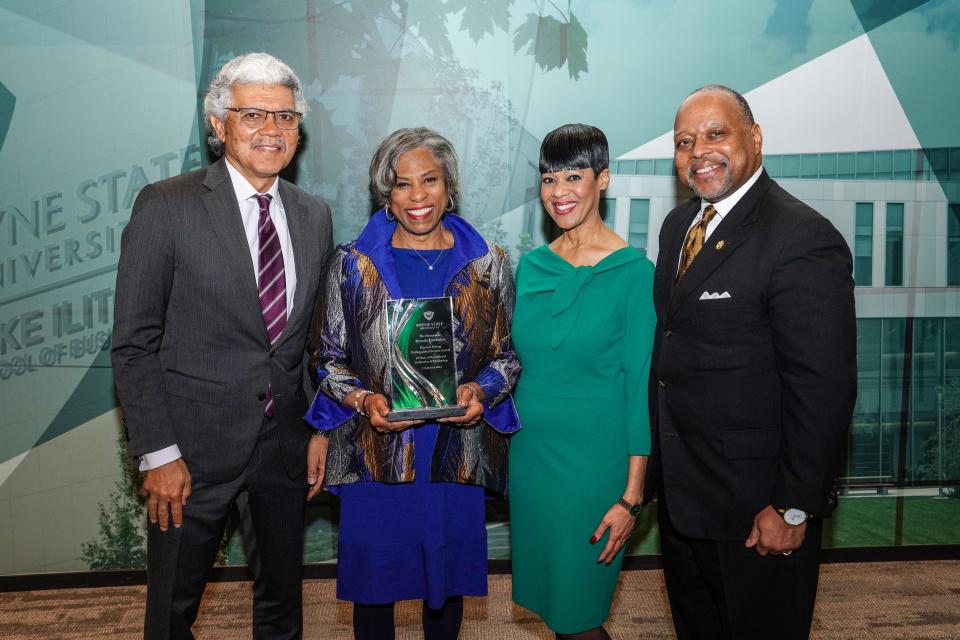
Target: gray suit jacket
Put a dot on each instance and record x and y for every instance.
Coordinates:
(191, 359)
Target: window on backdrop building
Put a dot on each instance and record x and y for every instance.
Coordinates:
(863, 245)
(639, 223)
(894, 257)
(926, 377)
(953, 244)
(865, 455)
(893, 365)
(948, 411)
(951, 354)
(905, 379)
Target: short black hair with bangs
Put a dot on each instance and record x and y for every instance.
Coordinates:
(574, 146)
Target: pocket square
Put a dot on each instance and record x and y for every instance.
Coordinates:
(714, 296)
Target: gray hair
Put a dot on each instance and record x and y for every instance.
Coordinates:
(383, 165)
(249, 68)
(740, 100)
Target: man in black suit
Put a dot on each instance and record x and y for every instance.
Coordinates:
(753, 384)
(217, 281)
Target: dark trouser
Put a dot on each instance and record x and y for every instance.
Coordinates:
(724, 591)
(179, 560)
(375, 622)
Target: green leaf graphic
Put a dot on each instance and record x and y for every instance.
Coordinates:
(526, 33)
(7, 100)
(554, 43)
(481, 18)
(431, 26)
(576, 48)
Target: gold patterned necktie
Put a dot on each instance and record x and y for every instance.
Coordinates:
(694, 241)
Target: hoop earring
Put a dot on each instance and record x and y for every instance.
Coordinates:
(450, 206)
(386, 214)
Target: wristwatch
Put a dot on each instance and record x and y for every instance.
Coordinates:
(633, 509)
(793, 516)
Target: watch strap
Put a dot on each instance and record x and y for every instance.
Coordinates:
(633, 509)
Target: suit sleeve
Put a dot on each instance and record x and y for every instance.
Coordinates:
(813, 320)
(638, 335)
(145, 278)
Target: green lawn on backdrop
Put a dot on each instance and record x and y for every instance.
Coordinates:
(859, 521)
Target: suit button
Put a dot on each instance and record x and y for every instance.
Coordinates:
(667, 333)
(662, 384)
(261, 397)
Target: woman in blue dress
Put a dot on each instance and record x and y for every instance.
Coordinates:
(412, 522)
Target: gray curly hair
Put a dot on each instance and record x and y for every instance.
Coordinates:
(249, 68)
(383, 165)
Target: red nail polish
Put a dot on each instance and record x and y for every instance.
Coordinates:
(593, 539)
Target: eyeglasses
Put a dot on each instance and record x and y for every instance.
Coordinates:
(257, 118)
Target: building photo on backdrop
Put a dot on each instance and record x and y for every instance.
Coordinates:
(859, 103)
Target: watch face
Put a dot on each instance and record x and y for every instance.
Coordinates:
(633, 509)
(794, 516)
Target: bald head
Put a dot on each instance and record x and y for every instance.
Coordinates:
(742, 103)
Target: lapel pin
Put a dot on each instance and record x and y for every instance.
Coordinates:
(720, 245)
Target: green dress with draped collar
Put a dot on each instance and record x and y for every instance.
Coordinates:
(584, 337)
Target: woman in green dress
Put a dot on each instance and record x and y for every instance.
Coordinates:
(583, 329)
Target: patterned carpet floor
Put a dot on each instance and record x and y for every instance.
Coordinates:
(869, 601)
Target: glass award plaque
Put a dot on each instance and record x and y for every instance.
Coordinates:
(423, 367)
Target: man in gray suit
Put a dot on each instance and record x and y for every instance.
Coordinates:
(217, 282)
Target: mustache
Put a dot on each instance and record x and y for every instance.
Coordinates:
(271, 141)
(708, 159)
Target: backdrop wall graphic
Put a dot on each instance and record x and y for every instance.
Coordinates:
(858, 100)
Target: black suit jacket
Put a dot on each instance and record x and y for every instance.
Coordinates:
(751, 394)
(191, 358)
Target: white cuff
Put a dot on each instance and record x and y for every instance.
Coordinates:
(156, 459)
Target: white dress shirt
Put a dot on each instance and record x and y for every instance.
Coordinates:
(250, 215)
(723, 207)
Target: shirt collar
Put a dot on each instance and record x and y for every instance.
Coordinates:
(244, 190)
(726, 205)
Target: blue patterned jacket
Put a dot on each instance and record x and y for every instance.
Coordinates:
(354, 353)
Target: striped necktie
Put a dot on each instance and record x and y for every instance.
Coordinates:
(271, 282)
(694, 241)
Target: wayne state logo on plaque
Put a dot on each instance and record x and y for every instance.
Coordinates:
(423, 366)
